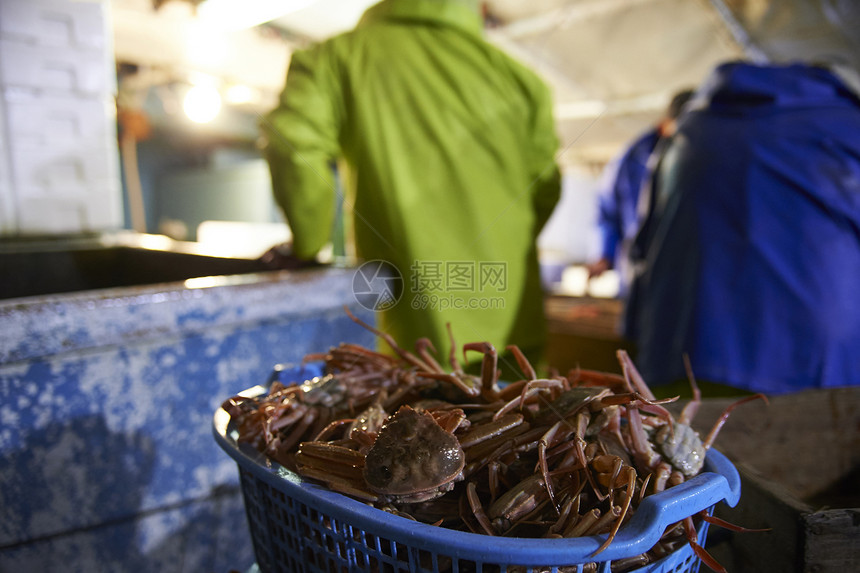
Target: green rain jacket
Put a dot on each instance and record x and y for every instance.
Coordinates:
(446, 152)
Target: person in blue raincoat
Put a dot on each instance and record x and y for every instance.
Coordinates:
(749, 258)
(622, 180)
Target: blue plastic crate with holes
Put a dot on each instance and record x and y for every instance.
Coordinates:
(299, 527)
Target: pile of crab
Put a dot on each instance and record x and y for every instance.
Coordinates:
(561, 456)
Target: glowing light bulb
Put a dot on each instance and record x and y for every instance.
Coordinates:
(202, 104)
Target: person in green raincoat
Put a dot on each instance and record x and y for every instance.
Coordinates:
(446, 150)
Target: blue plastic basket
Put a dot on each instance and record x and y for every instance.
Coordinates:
(298, 527)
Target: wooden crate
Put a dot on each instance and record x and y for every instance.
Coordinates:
(584, 332)
(799, 460)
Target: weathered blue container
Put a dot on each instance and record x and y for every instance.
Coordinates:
(107, 461)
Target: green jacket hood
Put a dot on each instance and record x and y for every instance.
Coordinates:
(462, 14)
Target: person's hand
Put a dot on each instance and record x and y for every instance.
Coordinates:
(281, 257)
(599, 267)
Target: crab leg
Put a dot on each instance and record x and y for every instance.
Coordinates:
(642, 451)
(569, 506)
(493, 470)
(631, 375)
(662, 475)
(478, 509)
(407, 356)
(348, 355)
(692, 406)
(421, 347)
(602, 523)
(450, 420)
(609, 468)
(643, 488)
(583, 524)
(489, 366)
(530, 389)
(650, 406)
(584, 377)
(544, 442)
(631, 486)
(522, 361)
(342, 460)
(579, 439)
(727, 525)
(675, 478)
(498, 426)
(517, 439)
(707, 559)
(331, 428)
(518, 501)
(296, 434)
(712, 435)
(470, 391)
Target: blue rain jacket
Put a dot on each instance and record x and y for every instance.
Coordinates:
(618, 214)
(619, 195)
(750, 255)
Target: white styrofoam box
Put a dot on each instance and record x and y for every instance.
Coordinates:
(51, 68)
(38, 118)
(63, 167)
(59, 170)
(60, 143)
(62, 23)
(56, 215)
(8, 222)
(7, 199)
(107, 211)
(68, 214)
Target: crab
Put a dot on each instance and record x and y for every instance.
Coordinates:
(413, 459)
